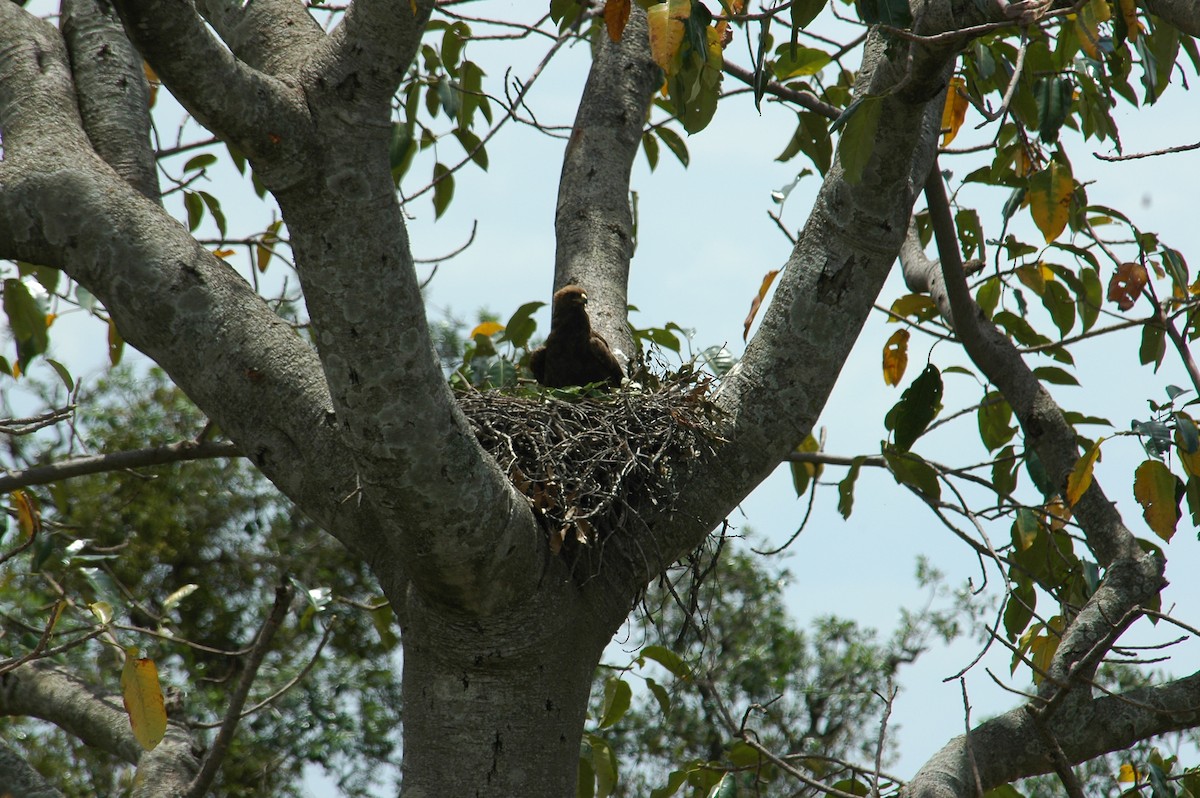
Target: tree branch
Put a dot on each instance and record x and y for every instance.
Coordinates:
(116, 461)
(20, 778)
(243, 106)
(1007, 746)
(233, 712)
(274, 36)
(1046, 431)
(169, 297)
(373, 47)
(828, 287)
(593, 224)
(113, 94)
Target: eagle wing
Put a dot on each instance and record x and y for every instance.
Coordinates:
(604, 363)
(537, 364)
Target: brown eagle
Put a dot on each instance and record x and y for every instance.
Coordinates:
(573, 354)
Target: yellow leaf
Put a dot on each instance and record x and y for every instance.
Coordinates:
(1155, 488)
(50, 317)
(666, 32)
(1035, 276)
(143, 699)
(152, 79)
(919, 306)
(1042, 647)
(757, 301)
(29, 521)
(487, 329)
(1050, 198)
(1189, 460)
(116, 344)
(223, 253)
(1127, 774)
(895, 357)
(955, 109)
(1087, 27)
(1081, 475)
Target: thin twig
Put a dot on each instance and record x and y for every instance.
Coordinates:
(233, 713)
(117, 461)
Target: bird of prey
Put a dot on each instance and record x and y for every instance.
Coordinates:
(573, 354)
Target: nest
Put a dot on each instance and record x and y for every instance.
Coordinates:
(590, 463)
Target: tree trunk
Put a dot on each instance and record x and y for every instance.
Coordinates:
(496, 706)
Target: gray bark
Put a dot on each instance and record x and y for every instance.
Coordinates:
(40, 690)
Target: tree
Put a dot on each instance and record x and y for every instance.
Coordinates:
(504, 616)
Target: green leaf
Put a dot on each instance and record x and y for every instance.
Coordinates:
(650, 147)
(994, 416)
(895, 13)
(214, 207)
(443, 189)
(796, 60)
(804, 12)
(674, 781)
(857, 141)
(1088, 301)
(988, 296)
(604, 763)
(63, 374)
(195, 209)
(27, 322)
(1053, 96)
(1019, 609)
(617, 697)
(473, 147)
(668, 659)
(918, 405)
(1158, 491)
(660, 695)
(846, 488)
(1061, 306)
(852, 786)
(911, 470)
(1054, 375)
(675, 143)
(1154, 345)
(521, 325)
(202, 161)
(1004, 471)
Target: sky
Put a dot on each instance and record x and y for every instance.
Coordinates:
(704, 243)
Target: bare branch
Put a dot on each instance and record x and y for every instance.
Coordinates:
(116, 461)
(233, 712)
(1133, 156)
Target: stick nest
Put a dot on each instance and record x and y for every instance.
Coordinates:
(588, 462)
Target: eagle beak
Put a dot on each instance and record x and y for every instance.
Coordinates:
(584, 298)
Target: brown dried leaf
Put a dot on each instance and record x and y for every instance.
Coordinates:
(1126, 284)
(616, 15)
(757, 302)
